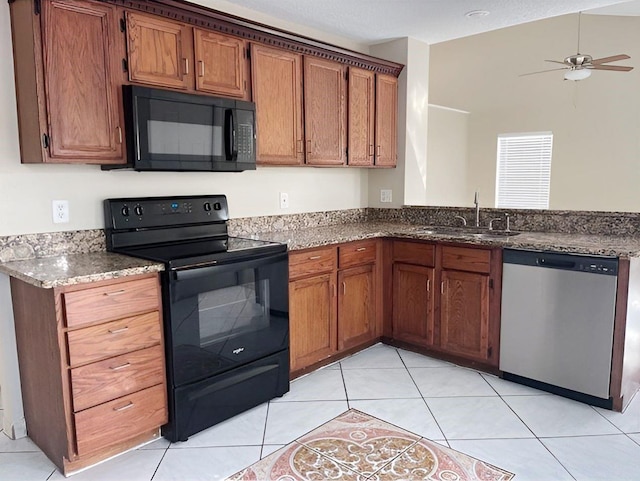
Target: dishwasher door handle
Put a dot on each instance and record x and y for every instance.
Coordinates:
(542, 262)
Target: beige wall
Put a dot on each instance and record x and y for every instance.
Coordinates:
(408, 180)
(447, 157)
(595, 122)
(26, 191)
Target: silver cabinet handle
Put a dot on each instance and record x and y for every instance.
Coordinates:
(442, 287)
(115, 293)
(360, 249)
(124, 408)
(186, 66)
(314, 258)
(121, 366)
(119, 132)
(201, 65)
(116, 331)
(428, 285)
(344, 288)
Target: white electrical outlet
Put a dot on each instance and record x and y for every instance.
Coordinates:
(386, 195)
(284, 200)
(60, 211)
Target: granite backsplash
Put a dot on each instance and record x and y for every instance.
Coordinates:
(29, 246)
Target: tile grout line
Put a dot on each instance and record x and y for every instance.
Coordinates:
(264, 431)
(423, 399)
(155, 471)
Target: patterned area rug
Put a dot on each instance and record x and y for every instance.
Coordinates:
(356, 446)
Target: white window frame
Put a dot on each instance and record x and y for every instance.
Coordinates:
(523, 170)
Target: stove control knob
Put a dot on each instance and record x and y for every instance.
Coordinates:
(207, 206)
(125, 211)
(138, 210)
(217, 206)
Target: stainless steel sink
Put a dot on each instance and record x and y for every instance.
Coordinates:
(479, 232)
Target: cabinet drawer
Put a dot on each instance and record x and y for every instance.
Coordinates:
(357, 253)
(113, 338)
(421, 254)
(466, 259)
(312, 262)
(120, 419)
(112, 301)
(106, 380)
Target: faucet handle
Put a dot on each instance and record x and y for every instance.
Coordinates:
(506, 222)
(492, 221)
(464, 221)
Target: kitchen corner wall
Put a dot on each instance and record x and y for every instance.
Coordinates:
(409, 180)
(26, 191)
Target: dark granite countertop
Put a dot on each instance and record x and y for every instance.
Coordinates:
(70, 269)
(613, 246)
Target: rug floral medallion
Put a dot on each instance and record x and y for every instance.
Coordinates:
(358, 447)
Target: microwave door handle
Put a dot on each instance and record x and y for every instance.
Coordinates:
(231, 149)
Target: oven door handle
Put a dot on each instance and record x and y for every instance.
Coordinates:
(230, 266)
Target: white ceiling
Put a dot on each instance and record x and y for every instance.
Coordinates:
(431, 21)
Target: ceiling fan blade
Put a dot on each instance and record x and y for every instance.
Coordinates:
(555, 61)
(613, 58)
(542, 71)
(619, 68)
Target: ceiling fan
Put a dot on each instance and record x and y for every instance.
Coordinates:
(579, 66)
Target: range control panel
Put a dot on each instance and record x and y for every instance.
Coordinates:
(150, 212)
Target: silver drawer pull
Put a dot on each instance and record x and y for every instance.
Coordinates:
(121, 366)
(360, 249)
(314, 258)
(116, 331)
(124, 408)
(115, 293)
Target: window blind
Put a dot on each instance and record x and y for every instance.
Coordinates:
(524, 170)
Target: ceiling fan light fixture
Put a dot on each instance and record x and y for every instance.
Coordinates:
(476, 13)
(577, 74)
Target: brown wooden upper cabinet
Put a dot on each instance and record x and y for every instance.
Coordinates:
(386, 120)
(68, 94)
(166, 53)
(361, 117)
(325, 118)
(221, 64)
(277, 91)
(159, 51)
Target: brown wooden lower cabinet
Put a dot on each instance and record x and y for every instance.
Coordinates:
(446, 298)
(313, 320)
(356, 306)
(464, 314)
(332, 301)
(93, 380)
(413, 304)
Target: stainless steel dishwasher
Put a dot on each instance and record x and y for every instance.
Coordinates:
(556, 328)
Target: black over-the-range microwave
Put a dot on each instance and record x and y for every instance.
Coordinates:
(175, 131)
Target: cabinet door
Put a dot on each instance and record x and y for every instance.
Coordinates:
(312, 320)
(464, 321)
(361, 116)
(221, 64)
(159, 51)
(84, 111)
(413, 304)
(356, 306)
(386, 120)
(324, 112)
(277, 92)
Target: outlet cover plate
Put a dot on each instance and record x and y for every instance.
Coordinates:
(284, 200)
(386, 195)
(60, 211)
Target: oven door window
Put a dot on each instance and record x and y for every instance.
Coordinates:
(229, 316)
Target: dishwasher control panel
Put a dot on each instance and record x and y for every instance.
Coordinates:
(567, 262)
